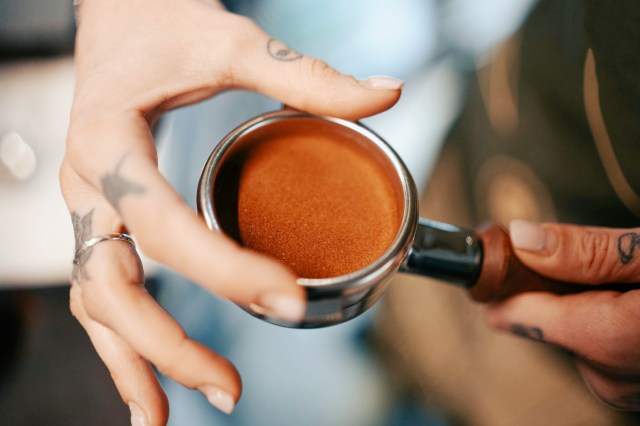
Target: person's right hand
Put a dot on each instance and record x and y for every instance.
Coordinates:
(136, 59)
(601, 326)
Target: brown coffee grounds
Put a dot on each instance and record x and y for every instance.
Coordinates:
(320, 203)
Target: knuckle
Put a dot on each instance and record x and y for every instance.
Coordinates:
(75, 301)
(171, 361)
(96, 296)
(596, 255)
(65, 172)
(320, 69)
(79, 158)
(66, 178)
(77, 146)
(93, 298)
(242, 24)
(315, 73)
(245, 32)
(71, 184)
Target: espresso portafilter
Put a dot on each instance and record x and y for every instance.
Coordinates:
(481, 261)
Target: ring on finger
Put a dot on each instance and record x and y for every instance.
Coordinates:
(89, 243)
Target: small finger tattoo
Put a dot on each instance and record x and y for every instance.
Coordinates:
(82, 232)
(627, 244)
(114, 186)
(279, 51)
(533, 333)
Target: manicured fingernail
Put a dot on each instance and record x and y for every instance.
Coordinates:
(219, 398)
(138, 418)
(280, 306)
(382, 82)
(528, 236)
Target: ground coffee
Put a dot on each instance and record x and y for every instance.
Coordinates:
(317, 199)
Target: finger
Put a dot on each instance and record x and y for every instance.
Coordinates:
(219, 50)
(600, 325)
(135, 380)
(110, 275)
(619, 391)
(270, 67)
(579, 254)
(113, 296)
(256, 61)
(169, 231)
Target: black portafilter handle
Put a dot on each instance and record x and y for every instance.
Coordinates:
(483, 262)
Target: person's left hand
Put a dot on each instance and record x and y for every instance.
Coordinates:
(601, 327)
(135, 60)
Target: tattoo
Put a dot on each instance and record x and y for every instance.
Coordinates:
(278, 50)
(115, 186)
(82, 232)
(533, 333)
(626, 246)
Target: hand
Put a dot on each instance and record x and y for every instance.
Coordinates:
(601, 327)
(136, 59)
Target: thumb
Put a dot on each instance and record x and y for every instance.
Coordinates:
(309, 84)
(580, 254)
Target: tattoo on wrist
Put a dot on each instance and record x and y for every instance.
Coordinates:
(533, 333)
(279, 51)
(627, 244)
(82, 232)
(114, 186)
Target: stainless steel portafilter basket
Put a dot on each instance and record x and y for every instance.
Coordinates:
(481, 260)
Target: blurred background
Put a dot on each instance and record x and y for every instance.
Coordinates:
(50, 374)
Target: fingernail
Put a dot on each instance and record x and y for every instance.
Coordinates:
(528, 236)
(281, 306)
(138, 418)
(219, 398)
(382, 82)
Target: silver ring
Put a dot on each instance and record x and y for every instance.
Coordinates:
(98, 239)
